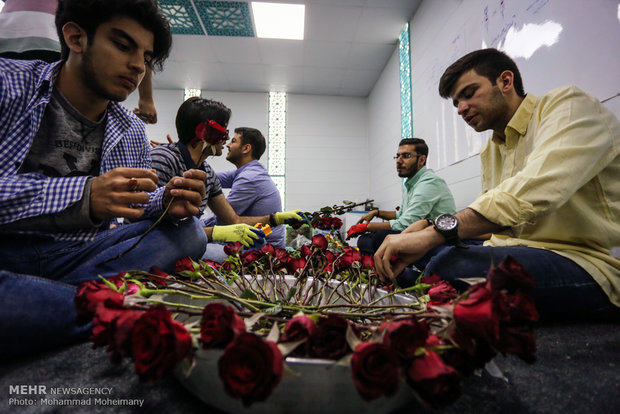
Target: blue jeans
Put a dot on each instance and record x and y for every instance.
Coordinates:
(563, 289)
(369, 242)
(38, 277)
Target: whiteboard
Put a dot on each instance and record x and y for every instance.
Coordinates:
(553, 42)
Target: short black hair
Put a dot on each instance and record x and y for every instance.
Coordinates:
(420, 145)
(90, 14)
(253, 137)
(196, 110)
(489, 63)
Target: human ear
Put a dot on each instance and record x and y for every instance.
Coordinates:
(75, 37)
(505, 81)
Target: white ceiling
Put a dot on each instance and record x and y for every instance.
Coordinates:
(347, 44)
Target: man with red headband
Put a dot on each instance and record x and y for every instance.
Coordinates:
(202, 129)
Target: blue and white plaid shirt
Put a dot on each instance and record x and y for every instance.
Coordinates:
(25, 90)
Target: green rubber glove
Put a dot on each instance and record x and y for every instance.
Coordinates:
(288, 217)
(243, 233)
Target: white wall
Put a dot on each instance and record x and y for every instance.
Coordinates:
(327, 141)
(463, 177)
(326, 151)
(384, 135)
(167, 101)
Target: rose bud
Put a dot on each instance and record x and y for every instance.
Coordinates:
(219, 325)
(436, 383)
(158, 343)
(329, 340)
(320, 242)
(232, 248)
(375, 370)
(404, 337)
(250, 368)
(89, 295)
(112, 326)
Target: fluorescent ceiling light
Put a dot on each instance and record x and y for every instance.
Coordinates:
(279, 21)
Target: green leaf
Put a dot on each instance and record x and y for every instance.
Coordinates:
(249, 294)
(274, 310)
(290, 293)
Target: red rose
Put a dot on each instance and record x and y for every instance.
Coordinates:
(228, 266)
(509, 275)
(298, 328)
(469, 355)
(120, 281)
(476, 316)
(517, 340)
(516, 308)
(295, 264)
(329, 340)
(184, 264)
(431, 280)
(158, 343)
(250, 256)
(375, 370)
(320, 242)
(441, 293)
(112, 326)
(349, 258)
(404, 337)
(368, 261)
(329, 256)
(324, 223)
(336, 223)
(282, 256)
(219, 325)
(158, 276)
(205, 264)
(232, 248)
(268, 249)
(435, 382)
(89, 295)
(250, 368)
(328, 268)
(305, 251)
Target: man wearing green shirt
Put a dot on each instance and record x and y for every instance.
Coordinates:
(550, 192)
(424, 195)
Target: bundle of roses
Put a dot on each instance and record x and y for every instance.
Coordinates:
(324, 219)
(320, 259)
(431, 347)
(328, 223)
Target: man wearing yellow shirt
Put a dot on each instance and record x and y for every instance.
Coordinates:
(551, 193)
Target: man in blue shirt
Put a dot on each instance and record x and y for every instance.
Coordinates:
(425, 195)
(72, 161)
(253, 192)
(197, 123)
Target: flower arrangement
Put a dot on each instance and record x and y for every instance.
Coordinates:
(261, 306)
(323, 218)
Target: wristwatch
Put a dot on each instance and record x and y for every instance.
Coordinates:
(447, 225)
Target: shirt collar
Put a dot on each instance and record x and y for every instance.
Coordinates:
(410, 182)
(517, 126)
(253, 162)
(45, 82)
(187, 157)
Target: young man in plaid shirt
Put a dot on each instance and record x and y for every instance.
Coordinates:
(72, 161)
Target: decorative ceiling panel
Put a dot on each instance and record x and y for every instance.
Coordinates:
(225, 18)
(181, 16)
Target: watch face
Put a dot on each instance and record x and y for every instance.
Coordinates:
(446, 222)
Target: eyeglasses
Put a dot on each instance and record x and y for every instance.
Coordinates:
(406, 155)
